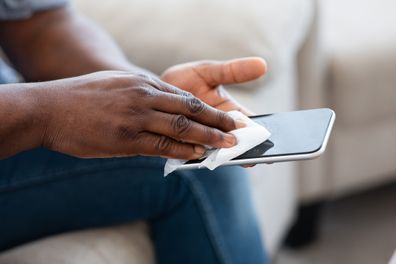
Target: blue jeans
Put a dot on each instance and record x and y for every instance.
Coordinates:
(198, 216)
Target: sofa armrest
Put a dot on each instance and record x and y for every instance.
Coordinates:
(311, 66)
(312, 93)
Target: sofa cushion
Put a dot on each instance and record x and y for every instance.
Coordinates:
(127, 244)
(158, 34)
(361, 46)
(363, 85)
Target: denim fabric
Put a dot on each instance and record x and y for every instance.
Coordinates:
(196, 216)
(7, 74)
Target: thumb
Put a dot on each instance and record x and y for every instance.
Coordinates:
(232, 71)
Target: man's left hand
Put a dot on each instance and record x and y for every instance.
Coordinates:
(204, 79)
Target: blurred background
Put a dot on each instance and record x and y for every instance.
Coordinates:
(340, 208)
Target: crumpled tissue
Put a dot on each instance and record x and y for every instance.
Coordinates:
(247, 138)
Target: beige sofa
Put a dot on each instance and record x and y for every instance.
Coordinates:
(158, 34)
(348, 63)
(315, 59)
(352, 68)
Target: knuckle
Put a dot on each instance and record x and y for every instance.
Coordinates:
(194, 105)
(186, 94)
(144, 76)
(181, 124)
(163, 145)
(145, 91)
(149, 79)
(125, 132)
(225, 120)
(213, 135)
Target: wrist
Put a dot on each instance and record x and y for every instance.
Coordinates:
(22, 125)
(39, 111)
(32, 112)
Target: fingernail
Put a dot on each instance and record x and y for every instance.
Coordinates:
(240, 124)
(230, 140)
(199, 151)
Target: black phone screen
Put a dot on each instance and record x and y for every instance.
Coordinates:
(298, 132)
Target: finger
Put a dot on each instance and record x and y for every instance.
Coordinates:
(168, 88)
(196, 110)
(248, 166)
(181, 128)
(155, 145)
(230, 103)
(233, 104)
(233, 71)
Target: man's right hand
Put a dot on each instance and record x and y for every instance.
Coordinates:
(114, 114)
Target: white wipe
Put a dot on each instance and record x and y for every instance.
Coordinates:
(248, 137)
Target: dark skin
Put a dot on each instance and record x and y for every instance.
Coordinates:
(120, 110)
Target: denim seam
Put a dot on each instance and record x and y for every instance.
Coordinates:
(207, 213)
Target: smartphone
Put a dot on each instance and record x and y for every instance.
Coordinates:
(297, 135)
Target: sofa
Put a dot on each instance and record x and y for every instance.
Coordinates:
(347, 63)
(318, 56)
(351, 68)
(159, 34)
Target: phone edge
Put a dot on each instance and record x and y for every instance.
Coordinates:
(275, 159)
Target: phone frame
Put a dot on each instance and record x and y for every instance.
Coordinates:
(275, 159)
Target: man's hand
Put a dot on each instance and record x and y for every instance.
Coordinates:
(204, 79)
(113, 113)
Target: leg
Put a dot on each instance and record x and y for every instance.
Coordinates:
(196, 217)
(223, 201)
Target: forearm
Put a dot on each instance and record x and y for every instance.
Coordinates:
(60, 43)
(21, 119)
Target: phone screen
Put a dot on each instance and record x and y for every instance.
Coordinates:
(298, 132)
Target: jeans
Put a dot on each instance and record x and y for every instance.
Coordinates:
(196, 216)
